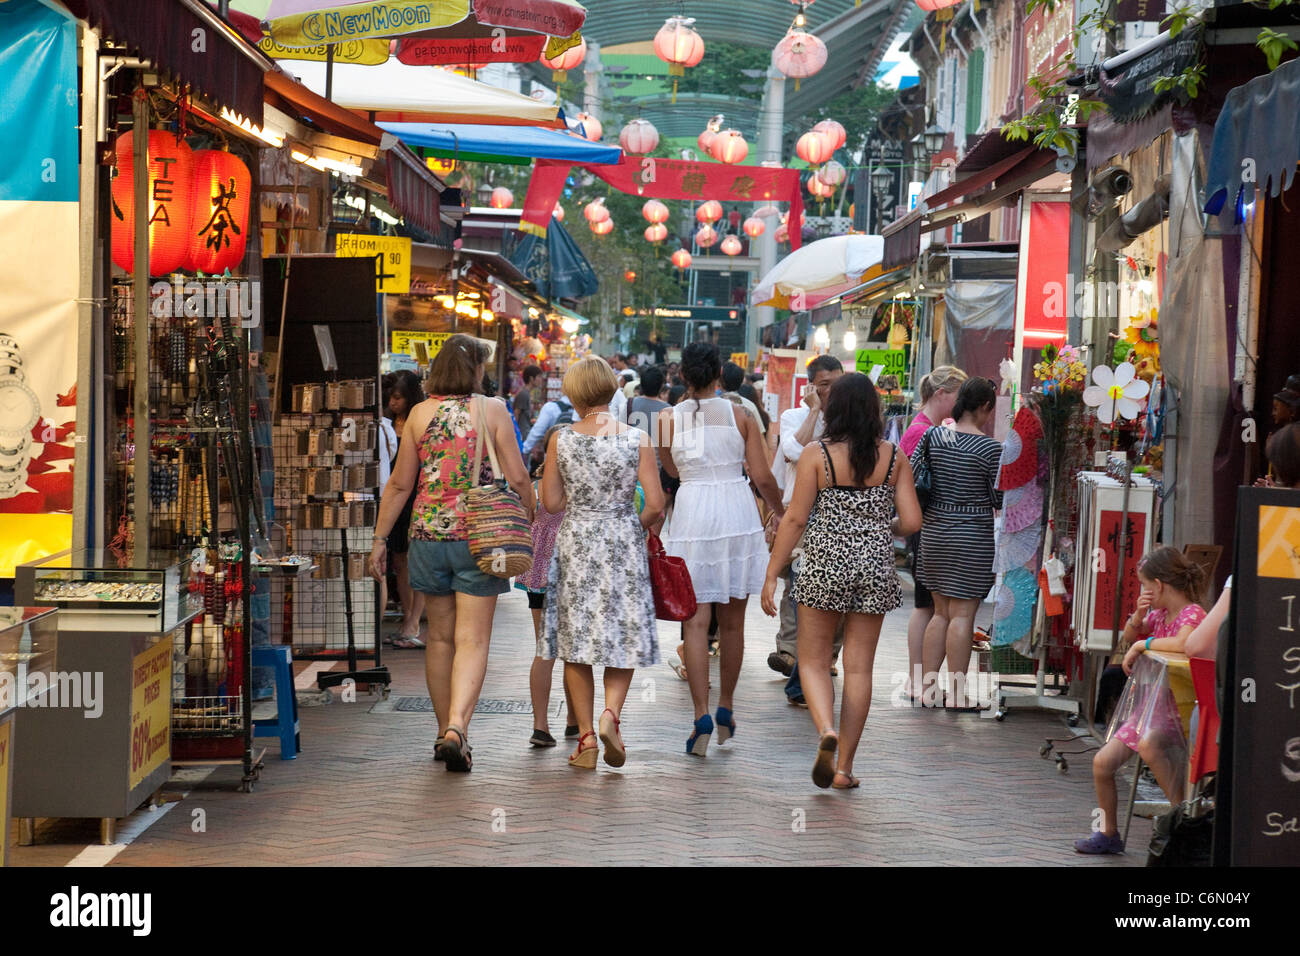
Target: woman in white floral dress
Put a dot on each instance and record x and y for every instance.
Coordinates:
(599, 607)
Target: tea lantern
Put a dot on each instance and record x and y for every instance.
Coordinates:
(834, 131)
(595, 211)
(656, 233)
(705, 236)
(799, 54)
(832, 173)
(654, 211)
(170, 203)
(678, 45)
(603, 227)
(681, 259)
(729, 147)
(710, 211)
(753, 227)
(558, 213)
(639, 137)
(221, 194)
(591, 128)
(566, 61)
(502, 198)
(731, 246)
(814, 148)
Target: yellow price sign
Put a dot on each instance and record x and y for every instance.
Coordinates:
(151, 710)
(411, 343)
(741, 359)
(392, 255)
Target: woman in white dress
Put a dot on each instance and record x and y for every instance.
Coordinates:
(715, 527)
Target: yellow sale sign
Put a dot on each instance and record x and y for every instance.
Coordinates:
(431, 341)
(151, 710)
(392, 255)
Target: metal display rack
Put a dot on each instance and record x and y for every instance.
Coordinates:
(202, 508)
(327, 500)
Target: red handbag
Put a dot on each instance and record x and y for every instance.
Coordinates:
(670, 580)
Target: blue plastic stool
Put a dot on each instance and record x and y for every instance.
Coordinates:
(285, 723)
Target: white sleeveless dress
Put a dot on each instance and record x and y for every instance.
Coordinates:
(715, 525)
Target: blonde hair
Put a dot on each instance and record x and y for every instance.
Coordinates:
(590, 382)
(945, 378)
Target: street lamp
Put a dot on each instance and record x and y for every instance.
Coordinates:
(485, 194)
(881, 181)
(934, 138)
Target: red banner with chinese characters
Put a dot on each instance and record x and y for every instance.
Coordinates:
(1103, 608)
(655, 178)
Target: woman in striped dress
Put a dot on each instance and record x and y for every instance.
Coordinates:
(957, 543)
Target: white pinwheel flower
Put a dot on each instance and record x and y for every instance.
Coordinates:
(1115, 392)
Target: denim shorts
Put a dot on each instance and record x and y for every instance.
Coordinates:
(443, 567)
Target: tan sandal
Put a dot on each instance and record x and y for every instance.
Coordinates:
(584, 758)
(615, 752)
(852, 784)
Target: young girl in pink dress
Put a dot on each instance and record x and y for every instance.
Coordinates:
(545, 525)
(1167, 613)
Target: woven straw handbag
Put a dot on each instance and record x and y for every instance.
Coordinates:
(500, 536)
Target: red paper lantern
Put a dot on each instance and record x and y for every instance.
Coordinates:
(558, 213)
(656, 233)
(629, 275)
(754, 227)
(729, 147)
(502, 198)
(171, 204)
(595, 211)
(681, 259)
(705, 141)
(931, 6)
(603, 228)
(566, 61)
(710, 211)
(639, 137)
(678, 45)
(705, 236)
(834, 131)
(731, 246)
(221, 196)
(814, 148)
(591, 126)
(654, 211)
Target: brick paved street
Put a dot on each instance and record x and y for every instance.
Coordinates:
(936, 788)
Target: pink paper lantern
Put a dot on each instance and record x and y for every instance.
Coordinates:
(558, 213)
(639, 137)
(710, 211)
(832, 173)
(818, 188)
(754, 227)
(592, 129)
(835, 130)
(782, 233)
(706, 236)
(814, 148)
(731, 246)
(656, 233)
(705, 141)
(799, 54)
(502, 198)
(595, 211)
(681, 259)
(654, 211)
(603, 227)
(729, 147)
(678, 45)
(568, 60)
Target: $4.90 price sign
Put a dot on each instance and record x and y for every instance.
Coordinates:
(893, 360)
(392, 255)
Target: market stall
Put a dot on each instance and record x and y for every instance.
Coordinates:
(29, 641)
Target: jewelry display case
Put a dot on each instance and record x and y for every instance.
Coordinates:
(155, 599)
(28, 658)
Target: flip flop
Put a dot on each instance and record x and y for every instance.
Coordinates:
(402, 643)
(823, 772)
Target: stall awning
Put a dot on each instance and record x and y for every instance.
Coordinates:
(1022, 160)
(1258, 123)
(287, 94)
(486, 144)
(396, 93)
(225, 67)
(413, 190)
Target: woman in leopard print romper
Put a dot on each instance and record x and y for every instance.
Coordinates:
(847, 565)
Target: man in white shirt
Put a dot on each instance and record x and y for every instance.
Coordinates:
(800, 427)
(551, 413)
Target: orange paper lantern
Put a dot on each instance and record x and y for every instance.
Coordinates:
(558, 213)
(678, 45)
(656, 233)
(782, 233)
(705, 141)
(731, 246)
(566, 61)
(754, 227)
(814, 148)
(502, 198)
(705, 236)
(818, 188)
(591, 126)
(834, 131)
(171, 203)
(221, 194)
(604, 227)
(595, 211)
(681, 259)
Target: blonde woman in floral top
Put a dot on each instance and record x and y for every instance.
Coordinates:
(435, 459)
